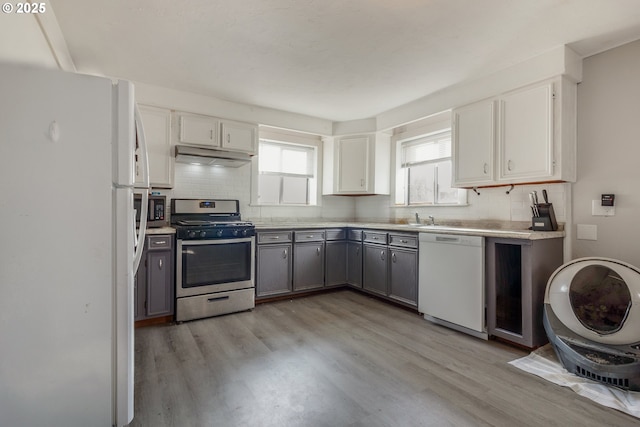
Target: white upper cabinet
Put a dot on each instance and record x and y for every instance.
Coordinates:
(526, 134)
(199, 130)
(157, 129)
(474, 135)
(237, 136)
(357, 165)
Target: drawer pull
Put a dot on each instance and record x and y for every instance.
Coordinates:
(159, 242)
(404, 241)
(218, 299)
(310, 236)
(274, 237)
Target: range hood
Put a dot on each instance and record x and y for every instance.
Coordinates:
(210, 156)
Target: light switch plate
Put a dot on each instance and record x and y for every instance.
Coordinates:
(587, 232)
(598, 210)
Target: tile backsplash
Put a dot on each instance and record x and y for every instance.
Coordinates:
(192, 181)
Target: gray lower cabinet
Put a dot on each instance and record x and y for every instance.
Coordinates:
(403, 268)
(155, 282)
(308, 260)
(517, 273)
(274, 263)
(403, 275)
(375, 266)
(335, 263)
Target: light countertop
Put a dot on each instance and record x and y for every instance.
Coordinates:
(505, 229)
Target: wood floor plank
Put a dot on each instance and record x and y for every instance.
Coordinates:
(341, 359)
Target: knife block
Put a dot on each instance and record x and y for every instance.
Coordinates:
(546, 221)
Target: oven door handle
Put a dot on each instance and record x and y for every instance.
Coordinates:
(214, 241)
(214, 299)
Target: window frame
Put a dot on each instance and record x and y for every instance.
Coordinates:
(306, 142)
(401, 174)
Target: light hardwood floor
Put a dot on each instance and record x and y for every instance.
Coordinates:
(341, 359)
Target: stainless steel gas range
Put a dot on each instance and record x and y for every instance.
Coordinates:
(215, 258)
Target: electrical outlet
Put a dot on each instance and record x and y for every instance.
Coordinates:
(587, 232)
(598, 210)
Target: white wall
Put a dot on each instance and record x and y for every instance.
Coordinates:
(23, 41)
(609, 152)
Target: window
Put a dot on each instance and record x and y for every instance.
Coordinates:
(286, 173)
(424, 170)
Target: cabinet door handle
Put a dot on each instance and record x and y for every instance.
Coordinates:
(382, 255)
(393, 257)
(485, 168)
(318, 251)
(211, 134)
(284, 254)
(509, 165)
(362, 183)
(228, 138)
(160, 263)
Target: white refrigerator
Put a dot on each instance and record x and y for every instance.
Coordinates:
(68, 247)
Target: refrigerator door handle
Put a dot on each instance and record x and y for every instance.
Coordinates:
(144, 191)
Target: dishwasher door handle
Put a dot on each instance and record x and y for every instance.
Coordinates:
(447, 239)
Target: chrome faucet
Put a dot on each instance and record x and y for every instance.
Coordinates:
(432, 220)
(417, 218)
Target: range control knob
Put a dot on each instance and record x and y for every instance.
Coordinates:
(245, 232)
(219, 233)
(192, 234)
(235, 232)
(203, 234)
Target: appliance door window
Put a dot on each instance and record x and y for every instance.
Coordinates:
(213, 263)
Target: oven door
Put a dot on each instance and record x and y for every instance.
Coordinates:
(209, 266)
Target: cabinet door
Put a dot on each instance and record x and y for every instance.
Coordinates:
(159, 283)
(473, 142)
(199, 130)
(239, 136)
(403, 276)
(375, 269)
(354, 162)
(308, 266)
(157, 130)
(526, 134)
(335, 263)
(273, 275)
(354, 264)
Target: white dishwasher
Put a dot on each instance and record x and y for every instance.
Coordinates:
(451, 282)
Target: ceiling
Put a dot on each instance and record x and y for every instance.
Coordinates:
(339, 60)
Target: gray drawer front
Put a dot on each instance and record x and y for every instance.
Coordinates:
(375, 237)
(403, 240)
(355, 235)
(201, 306)
(335, 234)
(274, 237)
(309, 235)
(159, 242)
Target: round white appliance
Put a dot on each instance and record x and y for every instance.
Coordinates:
(592, 319)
